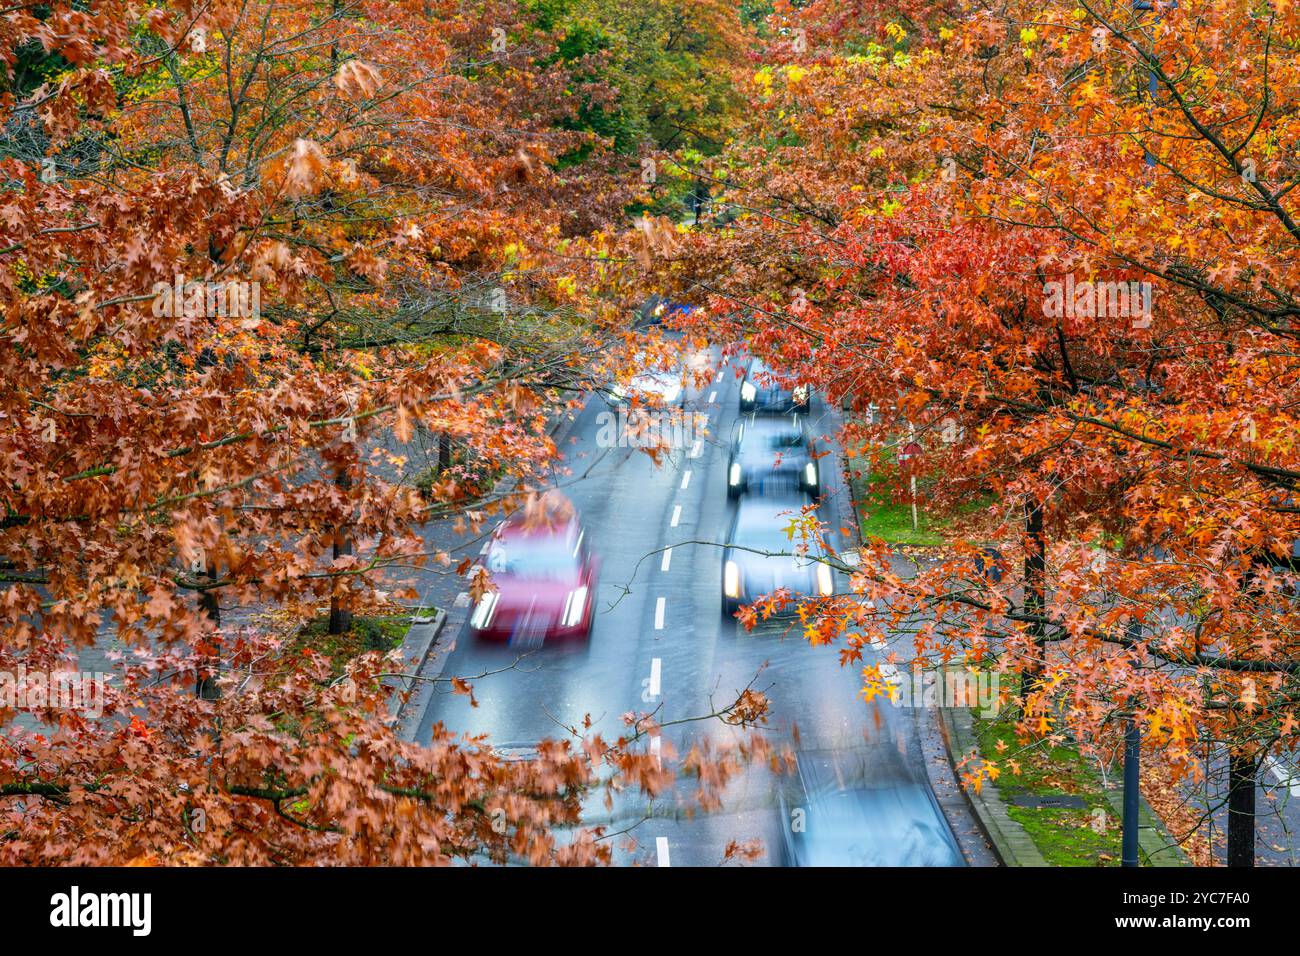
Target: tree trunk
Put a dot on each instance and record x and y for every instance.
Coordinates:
(1035, 588)
(340, 616)
(1241, 809)
(205, 684)
(444, 452)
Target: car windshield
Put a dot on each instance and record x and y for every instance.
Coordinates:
(532, 557)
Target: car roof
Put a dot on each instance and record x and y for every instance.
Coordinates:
(517, 529)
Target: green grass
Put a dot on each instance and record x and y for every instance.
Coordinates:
(1065, 837)
(891, 521)
(366, 634)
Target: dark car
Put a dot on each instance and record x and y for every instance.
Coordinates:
(759, 392)
(760, 557)
(772, 453)
(544, 583)
(830, 817)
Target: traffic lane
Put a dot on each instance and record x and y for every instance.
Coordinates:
(817, 707)
(620, 494)
(558, 684)
(815, 701)
(817, 712)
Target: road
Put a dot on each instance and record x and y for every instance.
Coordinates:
(659, 641)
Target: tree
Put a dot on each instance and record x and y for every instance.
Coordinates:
(997, 233)
(288, 229)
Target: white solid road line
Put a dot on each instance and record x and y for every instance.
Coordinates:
(668, 557)
(661, 849)
(677, 515)
(659, 614)
(686, 479)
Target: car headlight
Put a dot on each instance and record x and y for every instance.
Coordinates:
(484, 610)
(731, 579)
(801, 393)
(825, 583)
(733, 476)
(748, 391)
(574, 605)
(810, 473)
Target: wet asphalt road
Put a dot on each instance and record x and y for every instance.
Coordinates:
(660, 641)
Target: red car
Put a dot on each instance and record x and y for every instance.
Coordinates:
(544, 582)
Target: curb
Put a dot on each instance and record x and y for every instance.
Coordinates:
(1009, 840)
(419, 641)
(949, 792)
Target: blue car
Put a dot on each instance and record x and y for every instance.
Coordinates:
(830, 817)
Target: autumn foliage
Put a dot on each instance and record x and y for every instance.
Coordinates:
(945, 220)
(387, 182)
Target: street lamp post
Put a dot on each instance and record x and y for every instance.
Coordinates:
(1132, 777)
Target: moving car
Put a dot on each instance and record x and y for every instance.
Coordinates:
(759, 392)
(652, 387)
(830, 817)
(543, 582)
(768, 452)
(760, 558)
